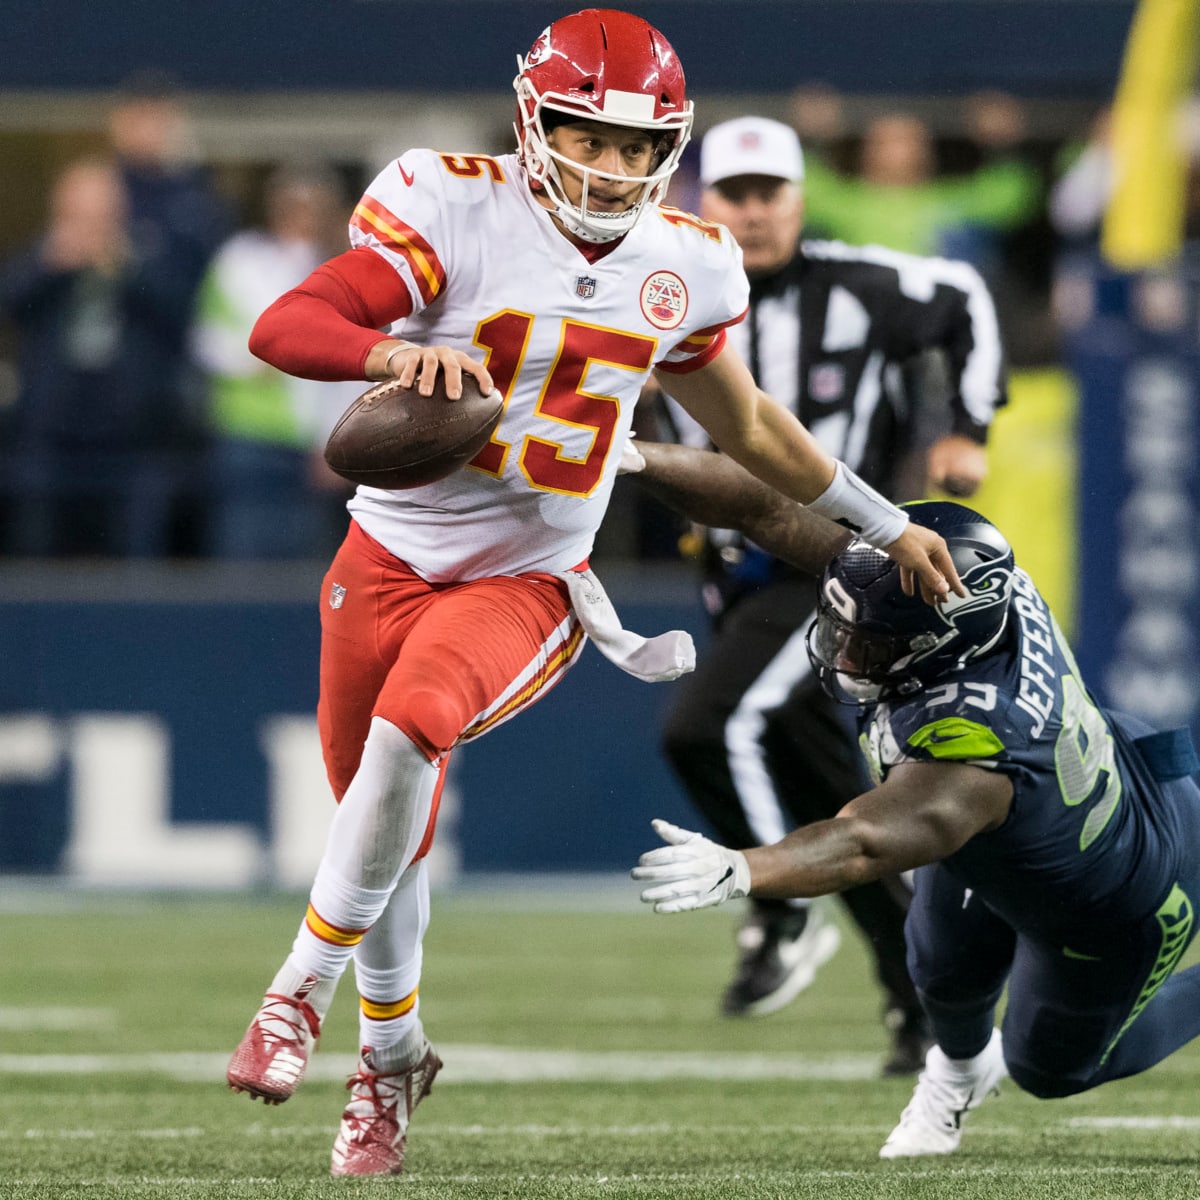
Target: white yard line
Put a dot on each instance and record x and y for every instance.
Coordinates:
(484, 1064)
(658, 1129)
(83, 1135)
(433, 1129)
(1151, 1123)
(481, 1064)
(475, 1064)
(47, 1018)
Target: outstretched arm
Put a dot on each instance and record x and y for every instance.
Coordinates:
(921, 813)
(711, 489)
(772, 444)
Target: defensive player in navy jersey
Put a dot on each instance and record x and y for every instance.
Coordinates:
(1054, 844)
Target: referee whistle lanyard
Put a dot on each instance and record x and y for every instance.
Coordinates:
(653, 660)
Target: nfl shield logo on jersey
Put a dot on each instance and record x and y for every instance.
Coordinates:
(585, 287)
(337, 594)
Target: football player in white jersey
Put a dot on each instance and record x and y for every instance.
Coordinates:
(556, 276)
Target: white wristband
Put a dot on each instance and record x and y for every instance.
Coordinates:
(860, 508)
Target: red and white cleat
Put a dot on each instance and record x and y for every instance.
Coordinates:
(375, 1122)
(270, 1059)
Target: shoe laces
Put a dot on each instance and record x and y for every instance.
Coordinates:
(287, 1020)
(374, 1098)
(940, 1099)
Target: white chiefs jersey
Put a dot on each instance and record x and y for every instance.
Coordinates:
(569, 344)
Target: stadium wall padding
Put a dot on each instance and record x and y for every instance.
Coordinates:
(157, 728)
(1034, 47)
(1133, 342)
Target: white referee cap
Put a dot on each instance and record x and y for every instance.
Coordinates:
(750, 146)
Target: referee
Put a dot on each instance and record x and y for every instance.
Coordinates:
(844, 336)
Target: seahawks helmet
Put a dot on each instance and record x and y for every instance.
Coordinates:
(871, 642)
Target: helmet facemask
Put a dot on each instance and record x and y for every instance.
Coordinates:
(543, 164)
(860, 666)
(866, 666)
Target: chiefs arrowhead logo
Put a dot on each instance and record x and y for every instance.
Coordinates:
(540, 50)
(664, 300)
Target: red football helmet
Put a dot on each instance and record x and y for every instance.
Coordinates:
(609, 66)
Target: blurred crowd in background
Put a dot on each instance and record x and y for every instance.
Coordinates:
(134, 423)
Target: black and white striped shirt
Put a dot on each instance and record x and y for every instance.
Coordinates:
(830, 335)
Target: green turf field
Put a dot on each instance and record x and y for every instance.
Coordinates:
(583, 1059)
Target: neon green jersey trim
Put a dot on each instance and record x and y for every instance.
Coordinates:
(1175, 918)
(956, 738)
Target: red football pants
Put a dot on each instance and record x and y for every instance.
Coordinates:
(443, 662)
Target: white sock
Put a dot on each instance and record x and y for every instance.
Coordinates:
(970, 1066)
(395, 1056)
(387, 967)
(294, 980)
(377, 829)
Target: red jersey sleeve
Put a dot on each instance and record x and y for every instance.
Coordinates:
(698, 350)
(325, 327)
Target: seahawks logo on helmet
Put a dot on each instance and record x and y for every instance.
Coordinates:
(987, 586)
(871, 641)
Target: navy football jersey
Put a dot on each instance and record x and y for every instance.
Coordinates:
(1091, 837)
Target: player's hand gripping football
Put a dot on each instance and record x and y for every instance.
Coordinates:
(420, 364)
(925, 562)
(690, 871)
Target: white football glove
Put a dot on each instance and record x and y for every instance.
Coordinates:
(690, 871)
(631, 458)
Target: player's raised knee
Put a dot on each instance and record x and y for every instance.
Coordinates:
(1045, 1085)
(430, 717)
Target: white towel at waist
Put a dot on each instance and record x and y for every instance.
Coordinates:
(655, 659)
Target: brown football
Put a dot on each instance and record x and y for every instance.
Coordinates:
(393, 437)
